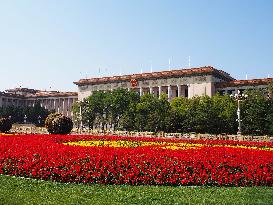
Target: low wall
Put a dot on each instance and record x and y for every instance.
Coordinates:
(30, 129)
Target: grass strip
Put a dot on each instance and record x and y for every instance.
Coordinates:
(15, 190)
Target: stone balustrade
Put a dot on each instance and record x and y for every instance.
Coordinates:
(31, 129)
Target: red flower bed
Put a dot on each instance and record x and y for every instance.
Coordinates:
(45, 157)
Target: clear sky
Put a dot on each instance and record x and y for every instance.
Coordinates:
(51, 43)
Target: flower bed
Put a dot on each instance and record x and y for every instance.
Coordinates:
(137, 161)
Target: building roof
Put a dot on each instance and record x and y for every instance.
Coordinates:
(52, 94)
(32, 93)
(5, 94)
(156, 75)
(239, 83)
(22, 90)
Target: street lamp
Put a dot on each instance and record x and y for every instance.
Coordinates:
(80, 115)
(39, 120)
(25, 119)
(239, 97)
(88, 126)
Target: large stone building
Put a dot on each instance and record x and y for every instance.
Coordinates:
(52, 100)
(182, 82)
(175, 83)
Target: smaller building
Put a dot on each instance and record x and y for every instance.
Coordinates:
(234, 86)
(51, 100)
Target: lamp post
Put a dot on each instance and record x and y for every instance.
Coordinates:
(88, 126)
(73, 119)
(39, 119)
(25, 119)
(80, 114)
(239, 98)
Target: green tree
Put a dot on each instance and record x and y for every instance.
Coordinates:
(128, 119)
(35, 114)
(163, 112)
(269, 117)
(88, 113)
(120, 102)
(177, 118)
(152, 112)
(199, 114)
(83, 112)
(99, 105)
(224, 116)
(255, 112)
(116, 109)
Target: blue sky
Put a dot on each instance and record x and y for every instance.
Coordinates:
(49, 43)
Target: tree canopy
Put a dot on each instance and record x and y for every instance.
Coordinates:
(35, 114)
(126, 110)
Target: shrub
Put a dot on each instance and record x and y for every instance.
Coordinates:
(57, 123)
(5, 124)
(51, 117)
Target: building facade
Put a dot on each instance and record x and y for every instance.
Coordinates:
(51, 100)
(175, 83)
(234, 86)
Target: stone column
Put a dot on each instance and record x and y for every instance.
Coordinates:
(141, 91)
(169, 92)
(178, 90)
(68, 107)
(63, 105)
(54, 105)
(151, 90)
(159, 90)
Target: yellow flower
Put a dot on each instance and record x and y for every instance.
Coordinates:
(133, 144)
(160, 144)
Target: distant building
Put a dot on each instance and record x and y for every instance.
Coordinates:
(175, 83)
(52, 100)
(234, 86)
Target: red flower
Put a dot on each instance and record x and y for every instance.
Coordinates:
(45, 157)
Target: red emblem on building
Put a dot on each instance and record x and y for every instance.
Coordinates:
(134, 82)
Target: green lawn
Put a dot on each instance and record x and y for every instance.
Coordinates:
(27, 191)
